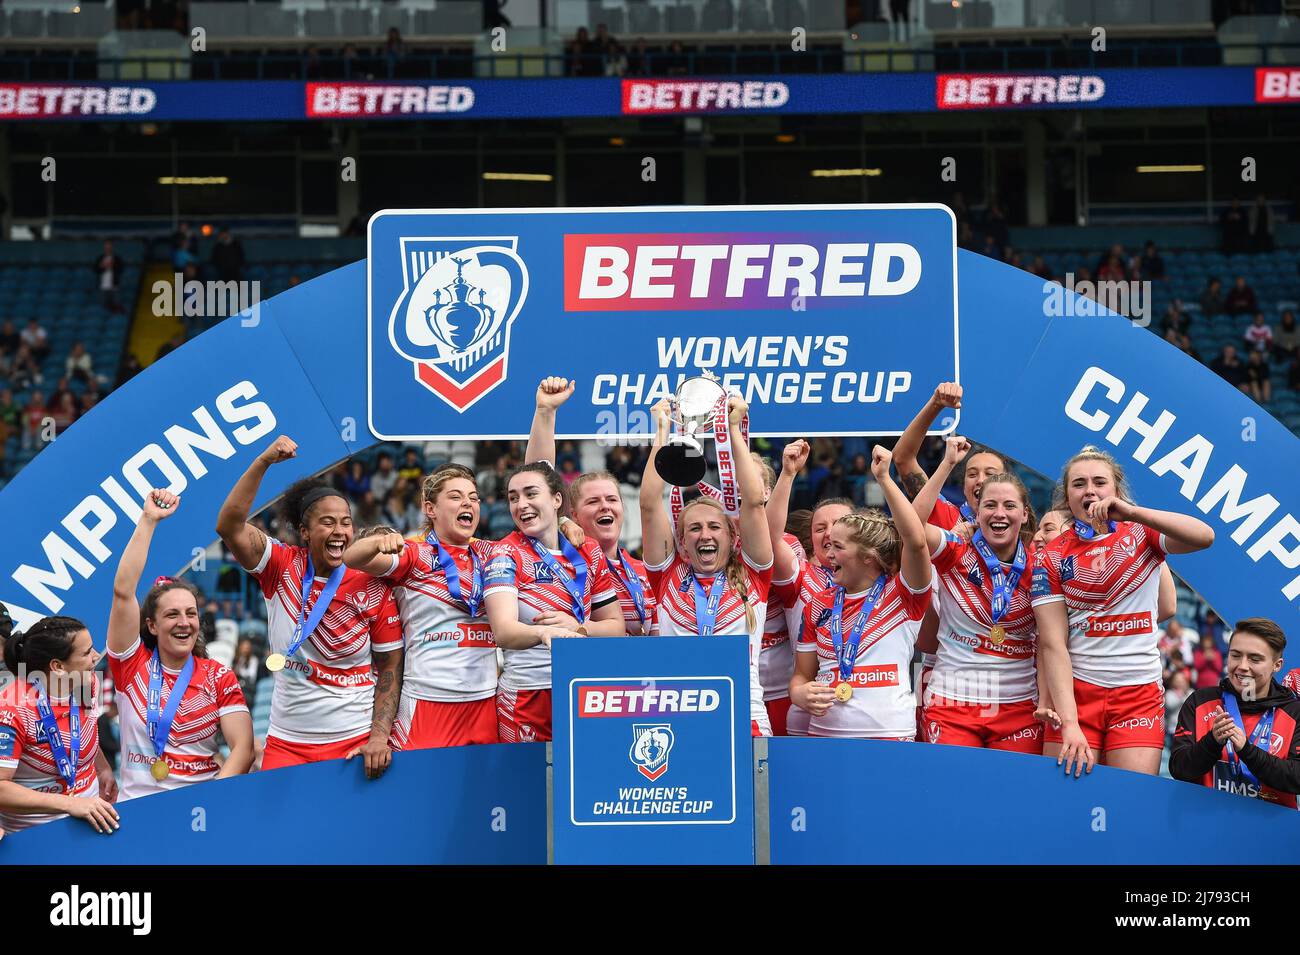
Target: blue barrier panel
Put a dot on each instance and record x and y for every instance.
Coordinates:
(475, 805)
(653, 761)
(863, 801)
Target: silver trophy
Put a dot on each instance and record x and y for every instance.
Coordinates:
(681, 460)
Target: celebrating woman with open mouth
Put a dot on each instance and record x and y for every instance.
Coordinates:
(172, 698)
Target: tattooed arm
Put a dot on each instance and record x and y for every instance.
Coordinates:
(388, 691)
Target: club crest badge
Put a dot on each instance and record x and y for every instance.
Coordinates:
(651, 744)
(452, 320)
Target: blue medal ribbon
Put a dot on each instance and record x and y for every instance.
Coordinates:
(1263, 731)
(847, 656)
(632, 582)
(66, 762)
(576, 585)
(160, 725)
(474, 602)
(1004, 584)
(966, 513)
(305, 628)
(1084, 531)
(706, 608)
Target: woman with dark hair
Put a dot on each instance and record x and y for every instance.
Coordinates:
(50, 762)
(449, 675)
(334, 634)
(172, 699)
(539, 587)
(1241, 735)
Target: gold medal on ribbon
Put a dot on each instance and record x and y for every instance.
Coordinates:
(159, 769)
(998, 634)
(275, 662)
(844, 692)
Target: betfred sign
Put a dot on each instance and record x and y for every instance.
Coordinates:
(1277, 85)
(702, 96)
(384, 99)
(1008, 90)
(37, 101)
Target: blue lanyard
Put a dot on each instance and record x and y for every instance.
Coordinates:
(305, 629)
(633, 584)
(66, 762)
(1084, 531)
(160, 726)
(1263, 731)
(706, 608)
(847, 656)
(1004, 585)
(577, 585)
(966, 513)
(474, 603)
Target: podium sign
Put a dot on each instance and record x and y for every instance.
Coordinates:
(652, 754)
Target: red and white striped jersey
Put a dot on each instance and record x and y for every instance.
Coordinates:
(450, 657)
(325, 693)
(516, 568)
(25, 750)
(673, 583)
(776, 663)
(631, 621)
(970, 665)
(883, 704)
(1111, 589)
(192, 746)
(946, 514)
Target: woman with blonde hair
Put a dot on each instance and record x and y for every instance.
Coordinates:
(857, 637)
(1096, 600)
(711, 578)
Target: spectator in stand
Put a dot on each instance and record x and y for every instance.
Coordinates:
(368, 511)
(1230, 368)
(24, 372)
(88, 400)
(1112, 270)
(412, 468)
(1293, 373)
(1175, 317)
(858, 477)
(1212, 298)
(638, 60)
(1261, 226)
(36, 339)
(1234, 228)
(492, 484)
(394, 512)
(246, 667)
(129, 368)
(385, 477)
(184, 238)
(34, 416)
(995, 224)
(1180, 341)
(64, 412)
(676, 62)
(1286, 340)
(1207, 663)
(1116, 252)
(1152, 265)
(619, 462)
(11, 417)
(616, 60)
(966, 238)
(1258, 385)
(602, 41)
(1241, 299)
(1178, 689)
(169, 346)
(79, 364)
(900, 21)
(9, 338)
(569, 470)
(108, 267)
(357, 481)
(394, 50)
(1259, 334)
(991, 248)
(583, 60)
(228, 257)
(1213, 626)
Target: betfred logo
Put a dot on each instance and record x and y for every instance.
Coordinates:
(33, 101)
(702, 96)
(339, 100)
(1007, 90)
(1277, 85)
(729, 270)
(636, 700)
(870, 677)
(1118, 625)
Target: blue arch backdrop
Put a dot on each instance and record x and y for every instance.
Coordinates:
(1037, 386)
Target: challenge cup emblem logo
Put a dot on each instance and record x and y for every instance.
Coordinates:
(651, 744)
(452, 320)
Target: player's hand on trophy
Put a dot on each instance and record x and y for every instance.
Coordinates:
(662, 412)
(282, 449)
(737, 408)
(553, 392)
(160, 504)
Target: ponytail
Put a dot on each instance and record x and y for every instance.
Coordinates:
(47, 640)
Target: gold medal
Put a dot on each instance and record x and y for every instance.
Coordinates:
(998, 634)
(159, 769)
(275, 662)
(844, 692)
